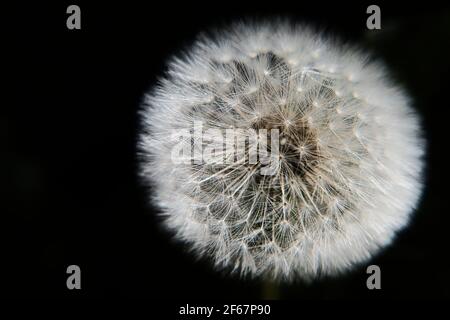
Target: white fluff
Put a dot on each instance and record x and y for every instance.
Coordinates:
(351, 166)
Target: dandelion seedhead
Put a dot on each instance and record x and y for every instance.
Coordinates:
(345, 166)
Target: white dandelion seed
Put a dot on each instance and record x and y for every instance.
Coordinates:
(350, 155)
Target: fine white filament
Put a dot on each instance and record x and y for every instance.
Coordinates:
(349, 165)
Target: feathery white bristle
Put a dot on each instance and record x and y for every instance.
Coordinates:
(350, 153)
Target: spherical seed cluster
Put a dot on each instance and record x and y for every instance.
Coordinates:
(348, 168)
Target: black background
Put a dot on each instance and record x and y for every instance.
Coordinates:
(72, 195)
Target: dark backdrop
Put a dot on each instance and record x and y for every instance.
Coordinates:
(72, 195)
